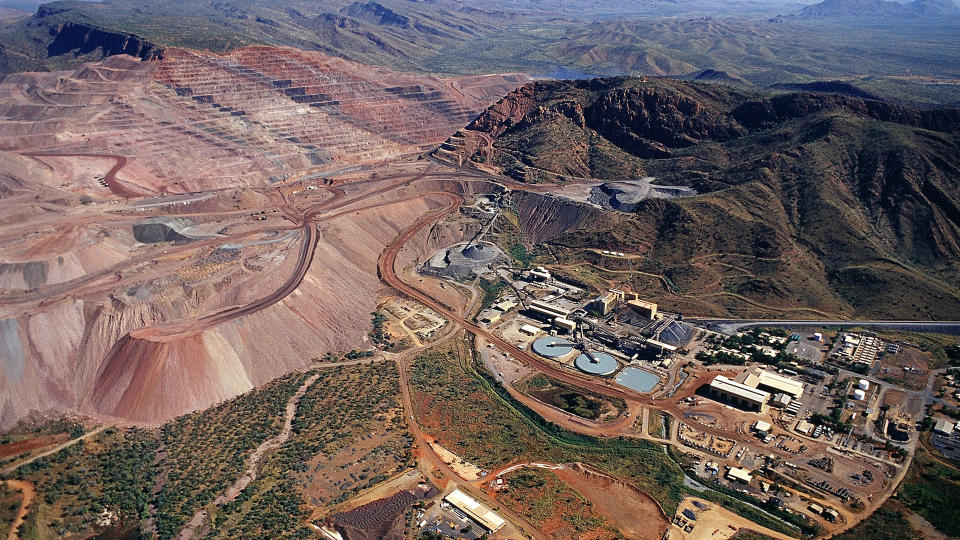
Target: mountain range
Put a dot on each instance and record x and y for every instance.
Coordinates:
(822, 203)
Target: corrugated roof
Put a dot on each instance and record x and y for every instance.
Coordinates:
(723, 383)
(477, 511)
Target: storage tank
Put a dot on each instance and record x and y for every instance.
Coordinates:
(863, 385)
(859, 395)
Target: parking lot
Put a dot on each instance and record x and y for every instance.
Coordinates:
(451, 522)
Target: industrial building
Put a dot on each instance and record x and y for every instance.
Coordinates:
(490, 317)
(539, 274)
(774, 383)
(739, 475)
(529, 329)
(479, 513)
(761, 427)
(548, 311)
(605, 303)
(462, 260)
(565, 324)
(943, 427)
(860, 349)
(646, 309)
(781, 401)
(726, 389)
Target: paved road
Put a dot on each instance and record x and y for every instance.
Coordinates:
(729, 326)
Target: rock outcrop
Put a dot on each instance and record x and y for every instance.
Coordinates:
(81, 39)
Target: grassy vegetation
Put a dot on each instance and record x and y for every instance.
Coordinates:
(749, 535)
(578, 401)
(932, 484)
(479, 421)
(378, 334)
(474, 416)
(345, 406)
(111, 471)
(27, 430)
(206, 451)
(10, 501)
(520, 253)
(349, 434)
(491, 291)
(655, 424)
(887, 523)
(545, 499)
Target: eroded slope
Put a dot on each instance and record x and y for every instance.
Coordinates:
(838, 204)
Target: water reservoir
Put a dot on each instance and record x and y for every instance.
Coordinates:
(637, 379)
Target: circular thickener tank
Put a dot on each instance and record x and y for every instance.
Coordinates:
(552, 347)
(596, 363)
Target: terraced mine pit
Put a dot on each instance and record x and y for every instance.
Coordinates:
(177, 232)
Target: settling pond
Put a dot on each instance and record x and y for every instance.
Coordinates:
(640, 380)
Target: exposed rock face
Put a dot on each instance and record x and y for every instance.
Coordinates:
(642, 120)
(845, 205)
(655, 120)
(766, 113)
(507, 112)
(78, 38)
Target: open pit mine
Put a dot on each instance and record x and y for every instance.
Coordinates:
(178, 231)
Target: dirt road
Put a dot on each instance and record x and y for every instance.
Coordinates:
(110, 178)
(253, 465)
(26, 488)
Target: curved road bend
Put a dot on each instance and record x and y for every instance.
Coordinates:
(387, 269)
(110, 178)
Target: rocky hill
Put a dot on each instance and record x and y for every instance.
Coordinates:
(879, 9)
(844, 205)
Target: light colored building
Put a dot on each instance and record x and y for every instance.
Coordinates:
(727, 389)
(804, 427)
(505, 305)
(530, 329)
(490, 317)
(781, 401)
(607, 301)
(565, 324)
(861, 349)
(774, 382)
(739, 475)
(540, 274)
(943, 427)
(478, 512)
(647, 309)
(762, 427)
(549, 311)
(664, 347)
